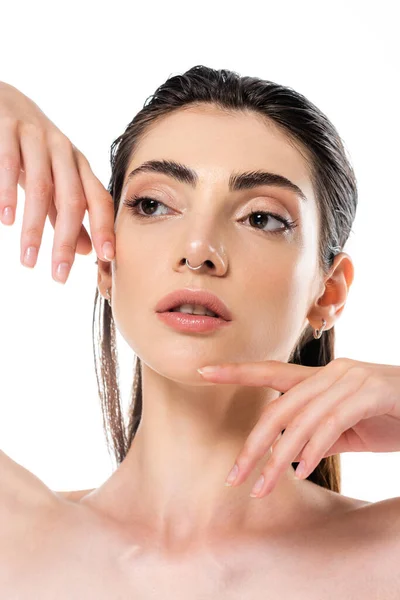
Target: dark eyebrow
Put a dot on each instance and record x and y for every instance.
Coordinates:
(237, 181)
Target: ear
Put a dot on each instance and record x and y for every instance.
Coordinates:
(335, 288)
(104, 276)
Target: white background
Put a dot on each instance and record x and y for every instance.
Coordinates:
(90, 67)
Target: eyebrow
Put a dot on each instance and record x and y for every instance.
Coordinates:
(237, 181)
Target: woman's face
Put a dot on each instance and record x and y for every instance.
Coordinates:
(268, 280)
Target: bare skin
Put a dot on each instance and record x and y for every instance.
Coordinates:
(57, 545)
(164, 525)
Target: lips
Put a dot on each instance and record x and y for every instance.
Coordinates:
(192, 296)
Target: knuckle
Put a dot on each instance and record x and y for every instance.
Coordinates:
(108, 199)
(60, 141)
(8, 121)
(246, 454)
(359, 372)
(294, 426)
(9, 162)
(102, 231)
(341, 362)
(66, 247)
(377, 382)
(31, 233)
(75, 202)
(332, 421)
(40, 189)
(32, 129)
(81, 157)
(313, 443)
(70, 200)
(7, 197)
(64, 251)
(100, 206)
(271, 410)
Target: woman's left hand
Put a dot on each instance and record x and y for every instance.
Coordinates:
(345, 406)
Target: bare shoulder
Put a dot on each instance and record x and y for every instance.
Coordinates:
(24, 500)
(20, 488)
(19, 485)
(368, 534)
(27, 508)
(356, 540)
(376, 528)
(383, 519)
(380, 520)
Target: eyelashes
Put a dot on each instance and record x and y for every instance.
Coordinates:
(133, 204)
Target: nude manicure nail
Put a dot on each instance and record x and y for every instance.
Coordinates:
(258, 485)
(30, 256)
(232, 475)
(62, 272)
(7, 216)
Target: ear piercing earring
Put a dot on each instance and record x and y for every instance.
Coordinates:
(318, 332)
(108, 296)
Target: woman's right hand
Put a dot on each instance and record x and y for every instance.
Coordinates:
(58, 182)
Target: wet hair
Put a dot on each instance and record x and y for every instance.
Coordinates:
(335, 190)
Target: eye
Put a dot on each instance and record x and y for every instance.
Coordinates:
(260, 216)
(256, 216)
(134, 202)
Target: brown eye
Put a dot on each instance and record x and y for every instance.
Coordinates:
(149, 205)
(258, 217)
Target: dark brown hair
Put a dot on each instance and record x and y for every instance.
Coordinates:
(335, 190)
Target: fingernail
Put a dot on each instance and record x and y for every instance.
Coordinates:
(7, 216)
(258, 486)
(108, 250)
(232, 475)
(205, 370)
(62, 272)
(301, 469)
(30, 256)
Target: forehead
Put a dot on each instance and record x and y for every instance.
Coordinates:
(215, 143)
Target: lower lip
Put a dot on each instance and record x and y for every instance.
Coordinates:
(196, 323)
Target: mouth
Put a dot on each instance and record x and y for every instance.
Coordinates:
(187, 322)
(195, 311)
(194, 303)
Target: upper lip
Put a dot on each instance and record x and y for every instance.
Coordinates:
(193, 296)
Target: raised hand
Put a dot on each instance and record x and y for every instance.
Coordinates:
(345, 406)
(58, 182)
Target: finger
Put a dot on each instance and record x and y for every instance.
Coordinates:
(333, 432)
(38, 195)
(84, 245)
(271, 373)
(279, 413)
(101, 210)
(10, 167)
(298, 412)
(70, 202)
(362, 405)
(320, 413)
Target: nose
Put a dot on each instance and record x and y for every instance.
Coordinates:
(202, 255)
(198, 262)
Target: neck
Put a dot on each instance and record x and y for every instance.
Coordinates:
(171, 483)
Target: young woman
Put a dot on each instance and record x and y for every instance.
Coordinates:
(231, 198)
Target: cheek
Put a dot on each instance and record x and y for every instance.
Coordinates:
(274, 309)
(132, 286)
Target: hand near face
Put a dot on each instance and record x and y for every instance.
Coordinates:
(345, 406)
